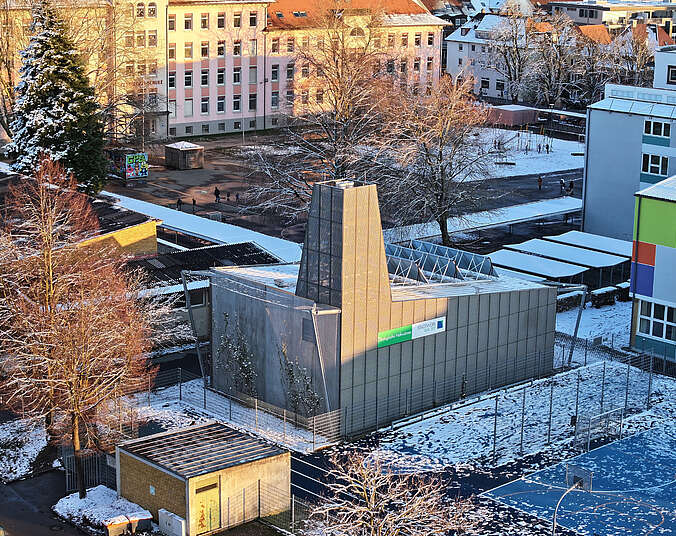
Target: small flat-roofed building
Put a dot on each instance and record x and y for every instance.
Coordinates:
(212, 476)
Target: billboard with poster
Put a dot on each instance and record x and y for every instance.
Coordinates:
(136, 166)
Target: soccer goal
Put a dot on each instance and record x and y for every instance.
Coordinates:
(578, 477)
(606, 425)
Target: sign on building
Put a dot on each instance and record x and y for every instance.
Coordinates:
(411, 331)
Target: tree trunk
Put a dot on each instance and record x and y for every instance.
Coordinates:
(443, 227)
(77, 452)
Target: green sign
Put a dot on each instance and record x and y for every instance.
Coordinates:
(394, 336)
(412, 331)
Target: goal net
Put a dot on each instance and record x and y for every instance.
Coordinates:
(606, 425)
(578, 476)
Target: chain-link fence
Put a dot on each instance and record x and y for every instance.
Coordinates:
(295, 431)
(514, 421)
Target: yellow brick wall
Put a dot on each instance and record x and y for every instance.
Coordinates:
(136, 478)
(274, 474)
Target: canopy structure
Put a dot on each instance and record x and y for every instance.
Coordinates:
(568, 253)
(594, 242)
(534, 265)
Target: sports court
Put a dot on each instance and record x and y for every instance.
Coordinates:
(633, 488)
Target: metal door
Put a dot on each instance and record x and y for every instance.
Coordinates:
(207, 501)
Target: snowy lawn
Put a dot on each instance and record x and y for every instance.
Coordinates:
(612, 322)
(465, 434)
(100, 505)
(175, 407)
(521, 149)
(21, 441)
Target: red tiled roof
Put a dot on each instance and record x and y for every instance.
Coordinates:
(596, 32)
(640, 31)
(311, 10)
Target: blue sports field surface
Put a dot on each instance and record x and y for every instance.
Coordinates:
(633, 488)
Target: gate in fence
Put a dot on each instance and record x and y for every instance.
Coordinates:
(98, 468)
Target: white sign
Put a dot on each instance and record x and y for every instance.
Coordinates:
(428, 327)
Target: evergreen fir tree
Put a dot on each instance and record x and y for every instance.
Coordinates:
(57, 114)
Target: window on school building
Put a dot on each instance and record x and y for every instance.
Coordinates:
(204, 49)
(236, 103)
(430, 39)
(204, 21)
(220, 21)
(236, 75)
(220, 76)
(253, 18)
(656, 320)
(657, 128)
(274, 72)
(237, 48)
(275, 45)
(171, 23)
(237, 20)
(204, 79)
(252, 102)
(187, 108)
(187, 21)
(253, 74)
(187, 50)
(274, 99)
(204, 106)
(187, 79)
(172, 51)
(655, 164)
(418, 39)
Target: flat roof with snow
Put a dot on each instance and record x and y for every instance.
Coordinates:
(595, 242)
(665, 190)
(211, 230)
(568, 253)
(532, 264)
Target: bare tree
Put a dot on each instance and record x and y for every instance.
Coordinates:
(553, 42)
(593, 67)
(75, 326)
(435, 141)
(105, 36)
(13, 37)
(633, 52)
(366, 499)
(333, 112)
(510, 50)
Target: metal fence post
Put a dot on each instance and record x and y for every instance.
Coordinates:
(230, 407)
(293, 511)
(259, 498)
(523, 418)
(626, 389)
(603, 385)
(551, 403)
(650, 382)
(204, 395)
(284, 428)
(180, 384)
(577, 397)
(256, 412)
(243, 504)
(314, 433)
(149, 391)
(586, 344)
(495, 426)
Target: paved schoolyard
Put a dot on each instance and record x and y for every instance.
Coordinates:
(633, 488)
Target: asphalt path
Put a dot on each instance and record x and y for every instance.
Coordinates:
(25, 506)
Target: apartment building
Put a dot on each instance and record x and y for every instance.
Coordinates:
(468, 53)
(629, 147)
(195, 67)
(617, 14)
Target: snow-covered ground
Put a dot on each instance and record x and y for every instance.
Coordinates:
(4, 168)
(612, 322)
(465, 434)
(20, 443)
(521, 148)
(175, 409)
(100, 505)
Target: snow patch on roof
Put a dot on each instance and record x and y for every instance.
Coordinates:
(184, 145)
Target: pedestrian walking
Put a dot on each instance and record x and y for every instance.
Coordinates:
(237, 198)
(571, 187)
(179, 204)
(194, 205)
(540, 183)
(547, 147)
(217, 194)
(228, 196)
(562, 183)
